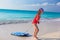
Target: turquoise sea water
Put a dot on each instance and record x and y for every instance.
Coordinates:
(6, 14)
(23, 14)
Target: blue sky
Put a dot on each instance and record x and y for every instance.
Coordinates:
(48, 5)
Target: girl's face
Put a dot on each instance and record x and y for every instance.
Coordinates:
(40, 11)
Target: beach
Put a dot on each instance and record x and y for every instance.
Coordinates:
(48, 30)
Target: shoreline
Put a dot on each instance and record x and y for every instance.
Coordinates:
(27, 21)
(14, 22)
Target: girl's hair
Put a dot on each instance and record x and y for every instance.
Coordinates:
(41, 9)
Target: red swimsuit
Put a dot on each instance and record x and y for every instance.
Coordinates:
(36, 19)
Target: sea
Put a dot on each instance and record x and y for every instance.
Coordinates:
(8, 16)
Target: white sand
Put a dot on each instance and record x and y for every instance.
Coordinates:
(46, 30)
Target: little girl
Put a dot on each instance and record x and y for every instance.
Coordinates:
(36, 21)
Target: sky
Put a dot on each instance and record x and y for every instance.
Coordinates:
(47, 5)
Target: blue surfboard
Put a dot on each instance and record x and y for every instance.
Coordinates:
(23, 34)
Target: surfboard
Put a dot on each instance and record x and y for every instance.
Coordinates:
(22, 34)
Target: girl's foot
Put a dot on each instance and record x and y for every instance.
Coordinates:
(35, 38)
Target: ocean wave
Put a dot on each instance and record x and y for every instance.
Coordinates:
(13, 21)
(26, 21)
(52, 19)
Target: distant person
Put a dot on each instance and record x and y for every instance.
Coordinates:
(36, 21)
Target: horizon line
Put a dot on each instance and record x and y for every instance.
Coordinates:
(22, 10)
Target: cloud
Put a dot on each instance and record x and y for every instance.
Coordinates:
(31, 4)
(58, 3)
(38, 4)
(45, 4)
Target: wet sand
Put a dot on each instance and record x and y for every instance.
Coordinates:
(47, 31)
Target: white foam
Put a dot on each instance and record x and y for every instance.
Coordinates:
(56, 19)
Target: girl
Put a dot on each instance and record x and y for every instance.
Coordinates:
(36, 21)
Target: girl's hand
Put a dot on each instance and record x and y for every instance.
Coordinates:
(38, 22)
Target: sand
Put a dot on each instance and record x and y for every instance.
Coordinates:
(47, 30)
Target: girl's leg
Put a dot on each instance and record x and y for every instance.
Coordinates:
(36, 30)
